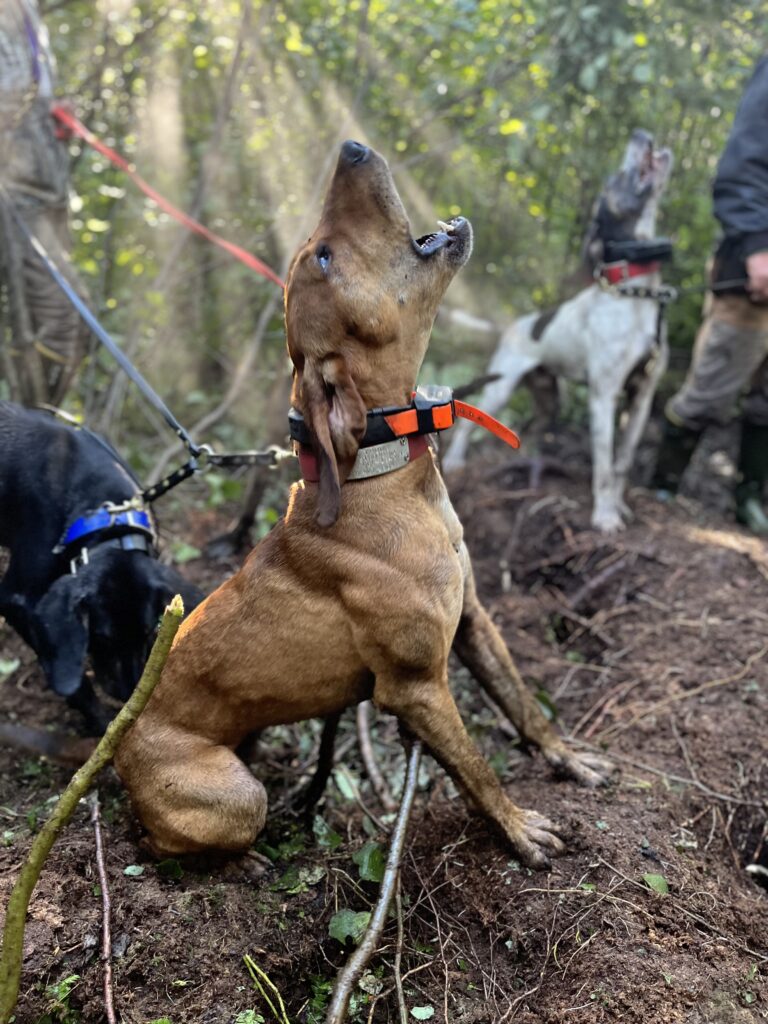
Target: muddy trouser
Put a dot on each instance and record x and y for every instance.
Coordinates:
(730, 360)
(49, 338)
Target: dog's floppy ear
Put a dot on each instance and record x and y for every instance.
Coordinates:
(59, 633)
(336, 415)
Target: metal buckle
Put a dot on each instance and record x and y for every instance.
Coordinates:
(78, 561)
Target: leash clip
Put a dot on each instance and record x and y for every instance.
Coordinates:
(200, 461)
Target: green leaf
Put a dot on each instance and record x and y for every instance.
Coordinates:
(657, 882)
(422, 1012)
(546, 704)
(324, 834)
(248, 1017)
(134, 870)
(183, 552)
(298, 879)
(170, 868)
(370, 861)
(7, 666)
(348, 924)
(344, 782)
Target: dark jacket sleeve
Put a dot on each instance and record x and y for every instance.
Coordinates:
(741, 184)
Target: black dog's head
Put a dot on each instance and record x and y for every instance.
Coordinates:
(626, 208)
(108, 610)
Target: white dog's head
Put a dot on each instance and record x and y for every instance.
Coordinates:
(626, 209)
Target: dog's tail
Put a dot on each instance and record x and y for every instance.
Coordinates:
(71, 751)
(461, 318)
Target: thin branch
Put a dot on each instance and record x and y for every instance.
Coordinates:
(356, 964)
(369, 758)
(16, 911)
(106, 907)
(654, 709)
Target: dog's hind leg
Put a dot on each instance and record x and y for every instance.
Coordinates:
(194, 795)
(511, 366)
(637, 417)
(480, 646)
(427, 709)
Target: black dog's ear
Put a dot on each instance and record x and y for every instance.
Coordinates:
(59, 635)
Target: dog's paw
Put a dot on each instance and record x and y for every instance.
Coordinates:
(608, 520)
(587, 768)
(535, 840)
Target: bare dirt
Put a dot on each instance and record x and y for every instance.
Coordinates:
(651, 645)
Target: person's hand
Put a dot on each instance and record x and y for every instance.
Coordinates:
(757, 269)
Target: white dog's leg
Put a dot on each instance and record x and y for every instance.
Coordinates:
(637, 418)
(511, 366)
(602, 414)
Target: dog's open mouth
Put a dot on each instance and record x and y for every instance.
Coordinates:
(450, 234)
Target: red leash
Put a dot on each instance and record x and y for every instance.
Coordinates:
(65, 117)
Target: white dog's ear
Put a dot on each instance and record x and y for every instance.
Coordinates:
(336, 415)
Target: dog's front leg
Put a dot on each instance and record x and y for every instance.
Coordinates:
(602, 417)
(428, 710)
(481, 648)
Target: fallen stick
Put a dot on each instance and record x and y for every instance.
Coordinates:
(380, 787)
(354, 967)
(16, 911)
(106, 907)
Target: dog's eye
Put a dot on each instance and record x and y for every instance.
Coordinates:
(323, 257)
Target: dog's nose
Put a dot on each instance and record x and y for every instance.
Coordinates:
(354, 152)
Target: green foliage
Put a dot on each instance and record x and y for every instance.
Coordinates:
(371, 861)
(510, 112)
(658, 883)
(58, 994)
(348, 924)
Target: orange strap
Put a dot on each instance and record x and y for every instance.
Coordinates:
(471, 412)
(406, 422)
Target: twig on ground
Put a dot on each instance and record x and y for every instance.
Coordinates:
(356, 964)
(620, 727)
(106, 930)
(380, 786)
(597, 581)
(662, 773)
(401, 1007)
(15, 918)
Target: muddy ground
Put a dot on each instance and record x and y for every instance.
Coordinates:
(651, 645)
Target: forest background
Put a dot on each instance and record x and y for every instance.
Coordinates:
(511, 112)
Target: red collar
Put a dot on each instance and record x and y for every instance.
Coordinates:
(373, 461)
(615, 273)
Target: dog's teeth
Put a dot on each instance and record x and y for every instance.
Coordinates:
(448, 228)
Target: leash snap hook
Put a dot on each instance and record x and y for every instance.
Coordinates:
(200, 462)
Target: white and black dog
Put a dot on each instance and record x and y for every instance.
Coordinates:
(599, 335)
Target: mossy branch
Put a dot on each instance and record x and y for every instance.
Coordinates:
(16, 911)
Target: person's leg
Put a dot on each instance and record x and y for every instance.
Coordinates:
(730, 346)
(753, 453)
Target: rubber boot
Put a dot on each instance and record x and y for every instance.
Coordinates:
(753, 469)
(677, 446)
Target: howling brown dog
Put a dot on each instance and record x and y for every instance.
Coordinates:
(364, 587)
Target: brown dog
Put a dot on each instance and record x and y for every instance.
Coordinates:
(364, 587)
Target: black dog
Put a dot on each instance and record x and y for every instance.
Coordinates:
(83, 577)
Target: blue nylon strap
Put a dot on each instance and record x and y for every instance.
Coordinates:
(95, 522)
